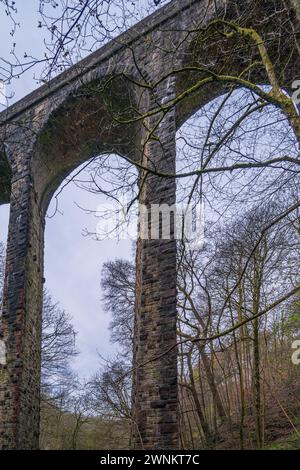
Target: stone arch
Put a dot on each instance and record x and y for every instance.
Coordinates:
(231, 56)
(64, 133)
(84, 125)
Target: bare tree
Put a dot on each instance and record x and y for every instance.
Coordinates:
(58, 341)
(111, 390)
(118, 284)
(58, 347)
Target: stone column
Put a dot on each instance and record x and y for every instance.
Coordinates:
(155, 354)
(20, 321)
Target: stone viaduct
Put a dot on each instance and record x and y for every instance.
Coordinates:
(87, 111)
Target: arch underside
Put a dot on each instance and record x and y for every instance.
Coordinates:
(208, 51)
(91, 121)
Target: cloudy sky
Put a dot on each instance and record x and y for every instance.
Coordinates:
(73, 262)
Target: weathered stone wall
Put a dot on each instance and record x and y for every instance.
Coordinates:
(155, 353)
(21, 314)
(61, 125)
